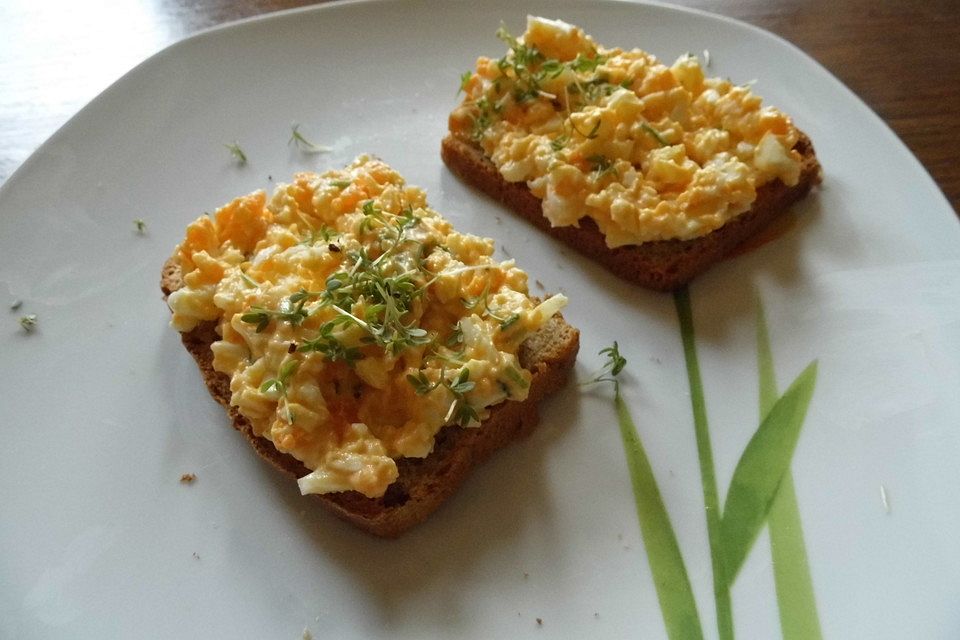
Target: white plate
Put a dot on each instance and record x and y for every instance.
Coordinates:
(102, 410)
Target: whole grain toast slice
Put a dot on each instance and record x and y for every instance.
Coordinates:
(423, 483)
(662, 265)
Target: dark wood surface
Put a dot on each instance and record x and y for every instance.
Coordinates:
(902, 57)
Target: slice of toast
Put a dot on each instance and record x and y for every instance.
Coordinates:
(423, 483)
(662, 265)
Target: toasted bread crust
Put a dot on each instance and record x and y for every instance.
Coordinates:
(423, 483)
(662, 265)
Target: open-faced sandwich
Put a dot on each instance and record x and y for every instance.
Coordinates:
(360, 343)
(655, 171)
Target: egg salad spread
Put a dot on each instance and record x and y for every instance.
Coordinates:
(354, 321)
(649, 152)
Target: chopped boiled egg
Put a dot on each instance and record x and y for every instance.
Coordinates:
(354, 321)
(647, 151)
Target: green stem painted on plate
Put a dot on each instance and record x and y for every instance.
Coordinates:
(669, 573)
(791, 569)
(721, 587)
(768, 379)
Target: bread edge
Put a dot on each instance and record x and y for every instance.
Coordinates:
(423, 484)
(662, 265)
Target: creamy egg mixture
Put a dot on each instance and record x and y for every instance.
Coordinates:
(354, 321)
(649, 152)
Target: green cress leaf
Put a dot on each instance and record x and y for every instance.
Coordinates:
(462, 384)
(304, 145)
(594, 131)
(257, 316)
(559, 142)
(601, 166)
(583, 64)
(509, 322)
(466, 413)
(420, 383)
(516, 378)
(288, 369)
(464, 79)
(656, 134)
(250, 282)
(760, 470)
(237, 153)
(615, 361)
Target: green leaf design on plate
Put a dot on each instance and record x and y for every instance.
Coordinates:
(760, 471)
(663, 553)
(791, 569)
(760, 492)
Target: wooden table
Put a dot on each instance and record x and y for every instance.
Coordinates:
(902, 57)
